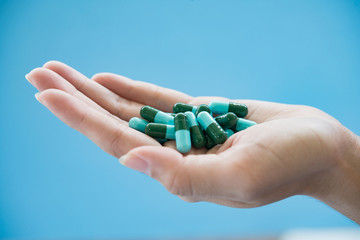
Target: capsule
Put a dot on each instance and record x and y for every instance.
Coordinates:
(212, 128)
(219, 107)
(201, 108)
(209, 143)
(138, 124)
(242, 124)
(184, 107)
(229, 132)
(227, 120)
(182, 133)
(198, 139)
(162, 131)
(154, 115)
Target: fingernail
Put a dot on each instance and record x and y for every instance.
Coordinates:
(28, 78)
(37, 97)
(136, 163)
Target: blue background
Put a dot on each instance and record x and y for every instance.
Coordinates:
(54, 182)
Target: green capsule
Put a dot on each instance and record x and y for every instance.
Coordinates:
(182, 133)
(229, 132)
(184, 107)
(158, 130)
(227, 120)
(154, 115)
(212, 128)
(210, 143)
(242, 124)
(201, 108)
(219, 107)
(197, 136)
(138, 124)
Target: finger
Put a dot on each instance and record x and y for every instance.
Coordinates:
(113, 136)
(107, 99)
(197, 177)
(43, 78)
(142, 92)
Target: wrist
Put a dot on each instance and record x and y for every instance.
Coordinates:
(339, 186)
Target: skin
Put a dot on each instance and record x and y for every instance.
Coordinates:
(293, 150)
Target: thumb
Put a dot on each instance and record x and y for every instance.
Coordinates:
(195, 177)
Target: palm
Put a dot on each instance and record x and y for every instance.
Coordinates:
(101, 108)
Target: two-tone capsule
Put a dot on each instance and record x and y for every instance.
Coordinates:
(201, 108)
(138, 124)
(158, 130)
(212, 128)
(182, 133)
(219, 107)
(154, 115)
(197, 136)
(227, 120)
(229, 132)
(184, 107)
(242, 124)
(210, 143)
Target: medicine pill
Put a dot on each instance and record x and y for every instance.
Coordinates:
(227, 120)
(229, 132)
(184, 107)
(201, 108)
(158, 130)
(212, 128)
(210, 143)
(197, 136)
(193, 125)
(154, 115)
(219, 107)
(138, 124)
(242, 124)
(182, 133)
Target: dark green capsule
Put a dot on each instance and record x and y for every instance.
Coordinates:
(198, 139)
(154, 115)
(158, 130)
(227, 120)
(212, 128)
(201, 108)
(219, 107)
(210, 143)
(183, 107)
(182, 133)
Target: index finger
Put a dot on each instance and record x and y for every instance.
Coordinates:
(142, 92)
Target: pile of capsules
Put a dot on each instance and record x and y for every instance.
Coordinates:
(193, 125)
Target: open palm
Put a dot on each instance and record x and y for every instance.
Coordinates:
(281, 156)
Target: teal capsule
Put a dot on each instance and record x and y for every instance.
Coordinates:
(197, 136)
(212, 128)
(158, 130)
(182, 133)
(201, 108)
(154, 115)
(227, 120)
(184, 107)
(210, 143)
(219, 107)
(138, 124)
(242, 124)
(229, 132)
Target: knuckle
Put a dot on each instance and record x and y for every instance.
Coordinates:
(115, 143)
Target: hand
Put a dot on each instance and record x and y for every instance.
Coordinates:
(293, 150)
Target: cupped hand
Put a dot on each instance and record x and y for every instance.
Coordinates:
(293, 150)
